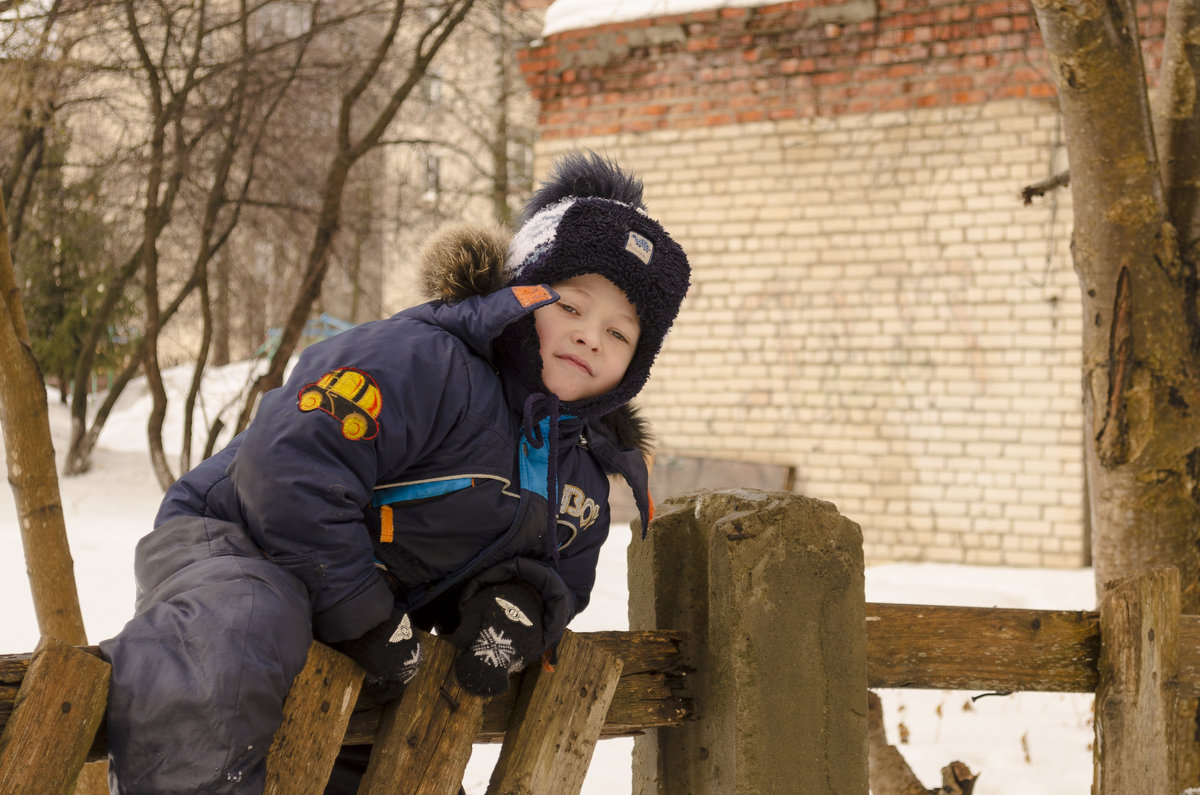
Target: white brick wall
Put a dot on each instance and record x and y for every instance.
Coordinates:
(873, 305)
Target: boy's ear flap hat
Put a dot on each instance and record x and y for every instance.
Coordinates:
(588, 217)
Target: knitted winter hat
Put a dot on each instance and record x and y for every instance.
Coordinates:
(588, 217)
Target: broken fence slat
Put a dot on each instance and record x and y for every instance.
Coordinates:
(315, 716)
(54, 719)
(557, 720)
(424, 739)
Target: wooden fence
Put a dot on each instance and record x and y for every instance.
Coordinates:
(605, 684)
(1137, 654)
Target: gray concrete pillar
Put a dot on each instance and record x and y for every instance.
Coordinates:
(769, 588)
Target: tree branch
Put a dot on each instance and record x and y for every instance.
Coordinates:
(1060, 180)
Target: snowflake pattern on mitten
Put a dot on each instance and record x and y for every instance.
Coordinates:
(494, 648)
(409, 669)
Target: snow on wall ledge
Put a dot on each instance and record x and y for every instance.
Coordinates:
(577, 14)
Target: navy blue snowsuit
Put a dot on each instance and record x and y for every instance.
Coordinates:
(396, 467)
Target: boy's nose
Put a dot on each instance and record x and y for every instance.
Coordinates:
(587, 338)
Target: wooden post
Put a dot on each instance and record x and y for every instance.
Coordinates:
(1136, 700)
(769, 589)
(315, 716)
(556, 722)
(424, 740)
(55, 716)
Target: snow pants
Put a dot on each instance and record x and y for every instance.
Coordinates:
(199, 674)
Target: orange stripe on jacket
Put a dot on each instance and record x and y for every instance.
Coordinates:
(386, 530)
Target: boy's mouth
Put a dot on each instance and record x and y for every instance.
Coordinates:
(575, 360)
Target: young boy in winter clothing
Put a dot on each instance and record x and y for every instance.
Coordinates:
(444, 469)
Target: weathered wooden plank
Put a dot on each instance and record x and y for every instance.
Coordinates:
(557, 721)
(642, 702)
(315, 716)
(976, 648)
(1136, 701)
(1189, 656)
(54, 719)
(424, 739)
(652, 691)
(973, 648)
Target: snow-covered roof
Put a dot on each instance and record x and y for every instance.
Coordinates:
(575, 14)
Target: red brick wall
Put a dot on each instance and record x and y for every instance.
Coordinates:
(791, 60)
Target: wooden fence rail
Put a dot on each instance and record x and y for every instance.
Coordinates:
(987, 648)
(929, 647)
(908, 646)
(651, 691)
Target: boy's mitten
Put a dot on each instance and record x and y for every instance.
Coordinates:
(500, 632)
(389, 652)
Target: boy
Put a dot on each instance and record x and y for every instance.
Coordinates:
(443, 469)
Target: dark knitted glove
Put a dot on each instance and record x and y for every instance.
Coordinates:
(389, 652)
(500, 632)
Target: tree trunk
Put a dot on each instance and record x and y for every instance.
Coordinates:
(83, 440)
(189, 409)
(31, 471)
(499, 143)
(221, 330)
(158, 392)
(1140, 357)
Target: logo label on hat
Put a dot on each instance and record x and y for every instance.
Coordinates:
(640, 247)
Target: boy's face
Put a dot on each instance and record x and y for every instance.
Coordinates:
(587, 337)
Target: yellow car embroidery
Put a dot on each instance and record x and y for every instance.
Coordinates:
(349, 395)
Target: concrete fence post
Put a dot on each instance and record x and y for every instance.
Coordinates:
(769, 588)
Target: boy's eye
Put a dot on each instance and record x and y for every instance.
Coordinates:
(619, 335)
(568, 308)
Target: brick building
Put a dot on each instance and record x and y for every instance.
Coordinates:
(874, 308)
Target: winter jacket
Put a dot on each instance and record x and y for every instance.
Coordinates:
(394, 467)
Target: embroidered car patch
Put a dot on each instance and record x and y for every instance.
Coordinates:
(350, 396)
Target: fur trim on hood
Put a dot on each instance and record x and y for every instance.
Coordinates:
(465, 260)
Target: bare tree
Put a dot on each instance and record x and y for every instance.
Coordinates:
(483, 121)
(362, 119)
(1134, 178)
(31, 468)
(203, 144)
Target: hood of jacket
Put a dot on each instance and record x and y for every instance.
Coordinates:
(463, 261)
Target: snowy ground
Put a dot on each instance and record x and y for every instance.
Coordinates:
(1029, 743)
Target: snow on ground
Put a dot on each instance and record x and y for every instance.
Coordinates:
(1030, 743)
